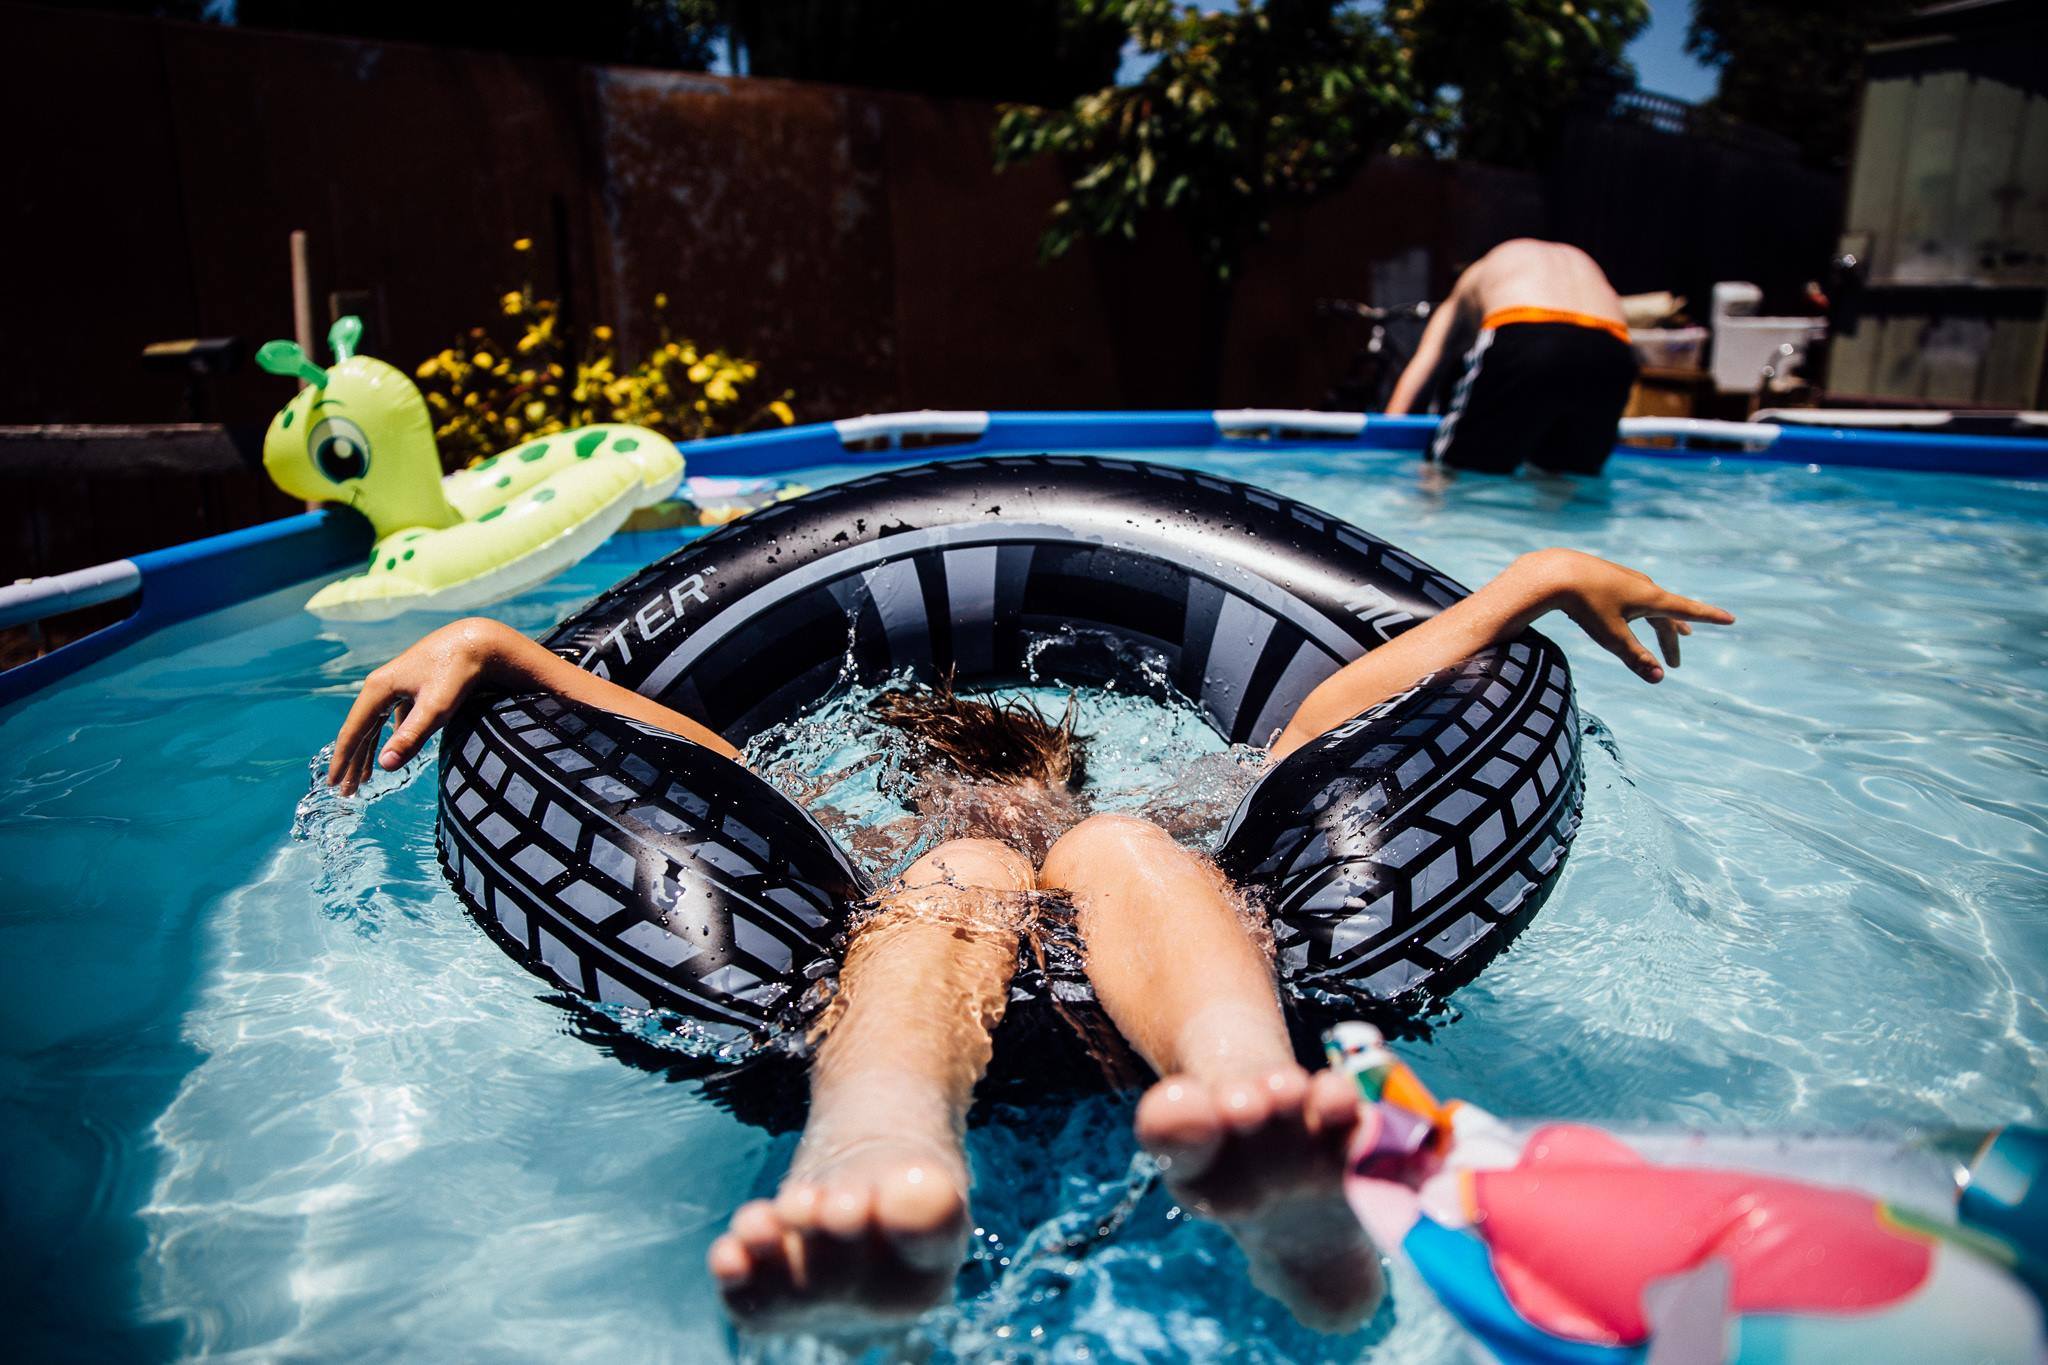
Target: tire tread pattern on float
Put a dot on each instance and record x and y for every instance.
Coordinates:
(1429, 830)
(637, 868)
(1398, 854)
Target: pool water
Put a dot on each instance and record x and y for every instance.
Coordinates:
(274, 1095)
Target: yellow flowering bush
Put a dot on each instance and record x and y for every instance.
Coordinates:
(487, 395)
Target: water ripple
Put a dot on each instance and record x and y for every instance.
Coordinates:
(331, 1120)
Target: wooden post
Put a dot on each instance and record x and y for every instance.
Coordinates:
(302, 296)
(302, 306)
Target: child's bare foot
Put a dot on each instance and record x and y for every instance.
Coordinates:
(869, 1232)
(1264, 1156)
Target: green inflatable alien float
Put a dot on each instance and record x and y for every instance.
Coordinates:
(360, 434)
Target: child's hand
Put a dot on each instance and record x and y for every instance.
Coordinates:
(1604, 597)
(425, 684)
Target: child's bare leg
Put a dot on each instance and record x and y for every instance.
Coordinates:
(871, 1222)
(1245, 1135)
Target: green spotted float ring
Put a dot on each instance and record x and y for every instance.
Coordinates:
(361, 434)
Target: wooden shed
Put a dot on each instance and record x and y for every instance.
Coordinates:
(1947, 220)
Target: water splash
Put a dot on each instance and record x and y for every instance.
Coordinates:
(1151, 752)
(350, 870)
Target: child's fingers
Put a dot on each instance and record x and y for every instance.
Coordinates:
(421, 719)
(363, 761)
(365, 717)
(405, 741)
(351, 762)
(1617, 639)
(1667, 637)
(1671, 604)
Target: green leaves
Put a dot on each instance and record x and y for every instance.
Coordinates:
(1239, 111)
(1496, 77)
(1245, 108)
(1792, 69)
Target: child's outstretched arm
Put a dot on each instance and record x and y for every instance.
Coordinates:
(429, 680)
(1602, 597)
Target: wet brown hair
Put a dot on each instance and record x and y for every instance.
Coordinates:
(996, 740)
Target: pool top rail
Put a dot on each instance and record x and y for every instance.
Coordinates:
(894, 437)
(189, 580)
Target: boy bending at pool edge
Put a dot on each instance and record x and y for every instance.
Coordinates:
(1545, 363)
(870, 1225)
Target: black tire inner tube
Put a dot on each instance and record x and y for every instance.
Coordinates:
(1397, 855)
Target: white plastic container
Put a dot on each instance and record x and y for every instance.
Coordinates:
(1669, 348)
(1745, 345)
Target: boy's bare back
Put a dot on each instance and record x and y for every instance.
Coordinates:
(1526, 273)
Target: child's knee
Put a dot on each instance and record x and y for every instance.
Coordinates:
(983, 863)
(1103, 842)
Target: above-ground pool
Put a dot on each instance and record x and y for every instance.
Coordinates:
(270, 1092)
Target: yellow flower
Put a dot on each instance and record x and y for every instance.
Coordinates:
(484, 397)
(523, 244)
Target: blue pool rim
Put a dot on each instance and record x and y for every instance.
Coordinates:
(206, 575)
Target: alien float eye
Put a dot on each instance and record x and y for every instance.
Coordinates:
(340, 450)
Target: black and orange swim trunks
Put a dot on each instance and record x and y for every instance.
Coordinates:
(1541, 386)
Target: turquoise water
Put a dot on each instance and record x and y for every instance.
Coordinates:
(274, 1096)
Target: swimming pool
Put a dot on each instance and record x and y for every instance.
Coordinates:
(276, 1095)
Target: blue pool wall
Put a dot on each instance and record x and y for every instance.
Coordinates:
(206, 575)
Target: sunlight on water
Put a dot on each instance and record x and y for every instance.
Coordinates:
(276, 1096)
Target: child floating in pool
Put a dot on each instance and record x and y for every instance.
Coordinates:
(871, 1222)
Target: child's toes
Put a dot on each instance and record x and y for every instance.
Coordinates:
(758, 1230)
(798, 1204)
(845, 1211)
(924, 1217)
(1177, 1123)
(729, 1262)
(1332, 1105)
(1245, 1106)
(1286, 1091)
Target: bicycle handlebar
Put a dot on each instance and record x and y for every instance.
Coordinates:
(1366, 312)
